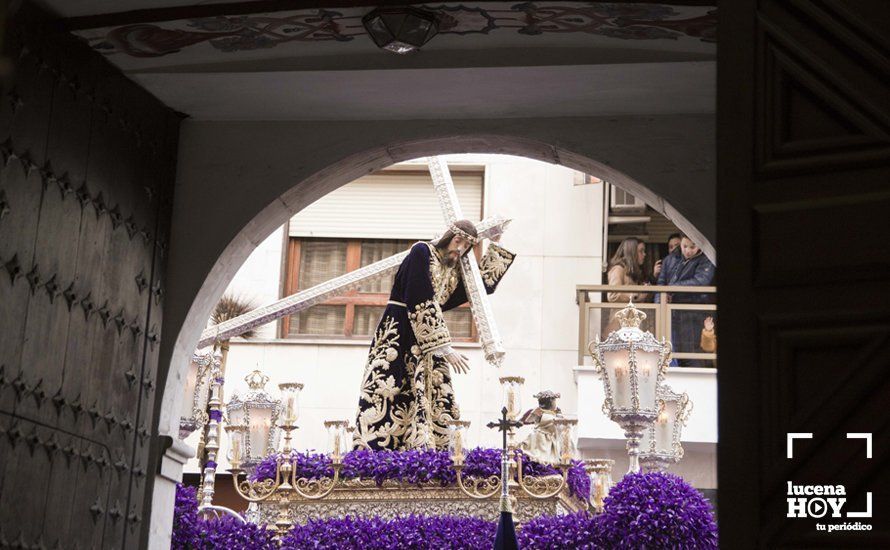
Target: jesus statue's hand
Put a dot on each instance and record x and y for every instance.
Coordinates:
(458, 362)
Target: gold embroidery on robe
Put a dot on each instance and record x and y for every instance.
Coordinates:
(444, 278)
(429, 326)
(494, 264)
(377, 388)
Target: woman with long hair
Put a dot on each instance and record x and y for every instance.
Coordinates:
(626, 268)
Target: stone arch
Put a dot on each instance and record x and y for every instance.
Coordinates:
(348, 169)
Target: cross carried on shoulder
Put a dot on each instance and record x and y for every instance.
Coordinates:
(472, 279)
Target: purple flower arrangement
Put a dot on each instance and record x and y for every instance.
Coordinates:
(579, 530)
(192, 532)
(418, 467)
(409, 532)
(643, 511)
(656, 510)
(186, 523)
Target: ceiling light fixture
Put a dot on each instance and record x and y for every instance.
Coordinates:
(400, 29)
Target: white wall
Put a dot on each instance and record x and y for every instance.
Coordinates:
(258, 280)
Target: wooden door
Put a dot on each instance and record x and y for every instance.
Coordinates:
(86, 175)
(804, 267)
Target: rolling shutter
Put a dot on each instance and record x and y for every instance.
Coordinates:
(388, 205)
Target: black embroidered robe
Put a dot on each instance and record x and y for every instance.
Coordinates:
(406, 395)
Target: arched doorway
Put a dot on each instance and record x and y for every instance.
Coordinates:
(293, 198)
(346, 170)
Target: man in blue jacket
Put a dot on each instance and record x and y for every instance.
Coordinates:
(687, 266)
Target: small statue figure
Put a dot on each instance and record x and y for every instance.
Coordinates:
(542, 444)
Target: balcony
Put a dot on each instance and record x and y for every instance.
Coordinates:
(692, 370)
(680, 320)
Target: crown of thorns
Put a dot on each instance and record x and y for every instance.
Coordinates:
(458, 231)
(546, 394)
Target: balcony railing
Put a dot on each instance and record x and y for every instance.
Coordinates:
(677, 321)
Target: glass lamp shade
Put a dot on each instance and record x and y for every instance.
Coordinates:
(511, 392)
(237, 436)
(338, 442)
(235, 413)
(290, 402)
(599, 470)
(400, 29)
(457, 440)
(663, 437)
(260, 431)
(632, 364)
(258, 413)
(565, 439)
(623, 365)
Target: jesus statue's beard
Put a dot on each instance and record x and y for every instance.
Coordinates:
(451, 259)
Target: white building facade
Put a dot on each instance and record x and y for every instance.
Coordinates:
(557, 232)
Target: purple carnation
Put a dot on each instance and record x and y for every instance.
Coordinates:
(192, 532)
(579, 530)
(186, 523)
(229, 533)
(409, 532)
(656, 510)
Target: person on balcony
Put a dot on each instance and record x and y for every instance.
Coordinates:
(626, 269)
(689, 267)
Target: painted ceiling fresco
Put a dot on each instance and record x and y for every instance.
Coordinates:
(265, 31)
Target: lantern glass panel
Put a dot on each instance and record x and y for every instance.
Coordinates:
(647, 377)
(236, 416)
(191, 381)
(378, 31)
(260, 426)
(647, 439)
(617, 371)
(393, 22)
(664, 428)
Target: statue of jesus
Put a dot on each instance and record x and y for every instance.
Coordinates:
(406, 396)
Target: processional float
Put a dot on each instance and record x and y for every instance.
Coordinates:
(489, 336)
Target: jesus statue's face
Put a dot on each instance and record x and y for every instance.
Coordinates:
(456, 248)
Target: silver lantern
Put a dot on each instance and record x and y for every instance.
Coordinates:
(631, 364)
(661, 444)
(258, 412)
